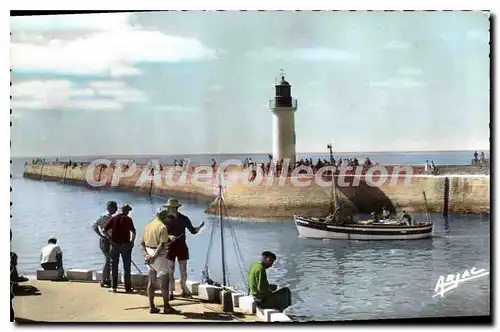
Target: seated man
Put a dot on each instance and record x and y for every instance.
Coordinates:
(51, 257)
(266, 296)
(385, 213)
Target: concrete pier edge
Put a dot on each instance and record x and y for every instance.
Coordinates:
(266, 315)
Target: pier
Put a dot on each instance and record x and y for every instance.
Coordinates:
(281, 198)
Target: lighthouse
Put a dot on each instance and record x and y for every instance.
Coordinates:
(283, 107)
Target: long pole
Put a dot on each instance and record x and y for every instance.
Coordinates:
(333, 189)
(222, 236)
(426, 208)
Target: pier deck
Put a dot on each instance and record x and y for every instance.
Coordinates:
(88, 302)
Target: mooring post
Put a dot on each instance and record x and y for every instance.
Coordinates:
(100, 172)
(446, 200)
(151, 184)
(41, 172)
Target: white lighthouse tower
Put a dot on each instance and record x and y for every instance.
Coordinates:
(283, 107)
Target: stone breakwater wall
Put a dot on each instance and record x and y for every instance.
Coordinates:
(466, 195)
(283, 198)
(80, 175)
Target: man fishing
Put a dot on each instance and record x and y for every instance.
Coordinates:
(266, 296)
(122, 243)
(154, 248)
(104, 244)
(177, 223)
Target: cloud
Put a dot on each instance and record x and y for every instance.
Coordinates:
(410, 71)
(64, 94)
(215, 88)
(397, 83)
(113, 49)
(398, 45)
(306, 54)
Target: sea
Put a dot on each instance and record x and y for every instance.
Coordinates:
(330, 280)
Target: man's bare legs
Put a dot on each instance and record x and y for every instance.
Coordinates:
(171, 270)
(184, 275)
(151, 292)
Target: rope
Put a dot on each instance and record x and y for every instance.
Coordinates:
(239, 255)
(209, 250)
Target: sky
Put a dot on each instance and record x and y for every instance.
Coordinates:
(199, 83)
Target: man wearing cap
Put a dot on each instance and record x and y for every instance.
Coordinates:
(176, 224)
(51, 257)
(122, 243)
(154, 247)
(104, 244)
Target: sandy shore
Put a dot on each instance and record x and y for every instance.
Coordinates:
(88, 302)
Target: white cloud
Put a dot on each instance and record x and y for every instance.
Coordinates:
(64, 94)
(112, 50)
(306, 54)
(398, 45)
(397, 83)
(410, 71)
(215, 88)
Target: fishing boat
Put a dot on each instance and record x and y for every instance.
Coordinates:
(227, 288)
(337, 226)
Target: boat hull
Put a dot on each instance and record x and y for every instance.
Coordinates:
(319, 230)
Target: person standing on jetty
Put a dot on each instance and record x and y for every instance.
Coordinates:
(154, 249)
(176, 224)
(266, 296)
(122, 243)
(104, 244)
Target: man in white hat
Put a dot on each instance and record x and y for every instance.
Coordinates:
(176, 224)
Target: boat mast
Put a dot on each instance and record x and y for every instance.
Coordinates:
(222, 234)
(333, 188)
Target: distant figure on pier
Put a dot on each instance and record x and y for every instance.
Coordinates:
(433, 168)
(177, 223)
(266, 295)
(482, 158)
(475, 156)
(406, 219)
(51, 257)
(154, 249)
(426, 167)
(104, 244)
(122, 240)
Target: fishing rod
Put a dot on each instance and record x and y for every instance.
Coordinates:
(176, 238)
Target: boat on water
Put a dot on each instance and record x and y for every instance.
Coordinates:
(323, 228)
(340, 226)
(226, 287)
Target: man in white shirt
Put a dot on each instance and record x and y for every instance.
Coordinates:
(51, 256)
(104, 244)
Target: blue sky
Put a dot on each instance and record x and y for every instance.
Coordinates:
(194, 82)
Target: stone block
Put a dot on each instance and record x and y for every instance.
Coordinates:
(279, 317)
(247, 304)
(265, 314)
(193, 286)
(236, 299)
(80, 275)
(209, 293)
(42, 274)
(99, 276)
(139, 280)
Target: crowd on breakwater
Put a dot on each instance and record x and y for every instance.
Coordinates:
(232, 172)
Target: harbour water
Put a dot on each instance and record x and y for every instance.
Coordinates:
(330, 280)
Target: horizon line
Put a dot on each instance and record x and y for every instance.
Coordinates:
(250, 153)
